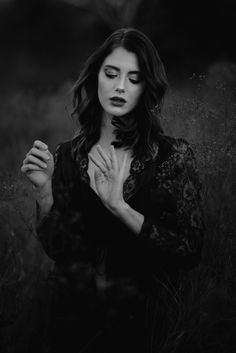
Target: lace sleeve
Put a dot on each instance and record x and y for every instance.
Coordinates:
(60, 230)
(177, 227)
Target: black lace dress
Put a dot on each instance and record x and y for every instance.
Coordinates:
(112, 289)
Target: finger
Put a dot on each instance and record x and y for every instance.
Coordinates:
(124, 162)
(99, 179)
(39, 153)
(27, 168)
(98, 176)
(98, 164)
(30, 159)
(113, 158)
(41, 145)
(34, 160)
(104, 156)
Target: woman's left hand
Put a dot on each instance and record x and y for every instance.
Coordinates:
(109, 178)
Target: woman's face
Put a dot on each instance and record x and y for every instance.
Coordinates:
(120, 83)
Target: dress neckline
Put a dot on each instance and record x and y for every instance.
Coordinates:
(130, 183)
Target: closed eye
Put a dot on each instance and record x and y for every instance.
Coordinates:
(134, 81)
(135, 78)
(110, 75)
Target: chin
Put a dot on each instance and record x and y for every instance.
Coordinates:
(116, 111)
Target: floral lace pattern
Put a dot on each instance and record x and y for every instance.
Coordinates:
(173, 218)
(130, 184)
(83, 168)
(177, 177)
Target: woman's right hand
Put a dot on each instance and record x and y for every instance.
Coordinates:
(38, 166)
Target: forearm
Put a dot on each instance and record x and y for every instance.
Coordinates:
(44, 201)
(162, 236)
(131, 218)
(43, 208)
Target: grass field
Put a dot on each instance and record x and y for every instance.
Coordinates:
(206, 117)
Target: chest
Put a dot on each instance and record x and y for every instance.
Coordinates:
(120, 153)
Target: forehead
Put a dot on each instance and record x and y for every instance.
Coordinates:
(122, 59)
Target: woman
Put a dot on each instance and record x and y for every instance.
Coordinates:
(118, 206)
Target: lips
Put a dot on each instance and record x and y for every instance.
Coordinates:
(117, 100)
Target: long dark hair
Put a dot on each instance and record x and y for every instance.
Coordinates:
(140, 129)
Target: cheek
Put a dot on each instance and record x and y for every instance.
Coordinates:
(101, 88)
(137, 94)
(99, 83)
(103, 84)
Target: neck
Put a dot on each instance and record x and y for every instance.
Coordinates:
(107, 130)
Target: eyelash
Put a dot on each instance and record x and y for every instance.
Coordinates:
(131, 80)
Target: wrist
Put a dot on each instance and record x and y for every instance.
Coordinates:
(43, 194)
(127, 215)
(119, 208)
(44, 201)
(43, 207)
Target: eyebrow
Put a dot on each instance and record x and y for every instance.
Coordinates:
(117, 69)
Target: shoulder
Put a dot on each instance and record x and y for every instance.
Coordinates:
(66, 150)
(175, 155)
(67, 155)
(64, 161)
(169, 145)
(174, 148)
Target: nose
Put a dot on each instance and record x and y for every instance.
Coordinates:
(120, 85)
(120, 90)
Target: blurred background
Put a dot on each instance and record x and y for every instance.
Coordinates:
(44, 42)
(43, 46)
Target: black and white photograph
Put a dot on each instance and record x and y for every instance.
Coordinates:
(117, 176)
